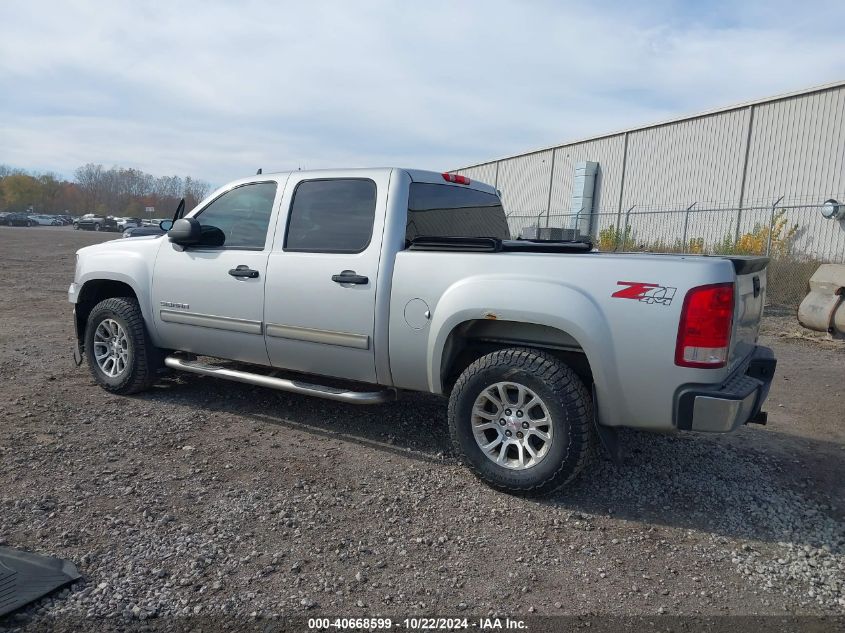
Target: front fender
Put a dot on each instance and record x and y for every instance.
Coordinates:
(132, 265)
(553, 304)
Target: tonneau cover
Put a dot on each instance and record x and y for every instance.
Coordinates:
(495, 245)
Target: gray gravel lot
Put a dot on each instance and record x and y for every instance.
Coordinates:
(209, 498)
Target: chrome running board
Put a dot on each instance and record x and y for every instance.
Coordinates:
(281, 384)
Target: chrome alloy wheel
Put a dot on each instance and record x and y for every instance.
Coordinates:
(111, 348)
(512, 425)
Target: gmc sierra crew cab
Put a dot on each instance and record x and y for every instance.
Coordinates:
(360, 283)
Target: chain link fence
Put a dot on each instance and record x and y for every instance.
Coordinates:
(797, 237)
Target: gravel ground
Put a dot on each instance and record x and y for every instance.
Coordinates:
(205, 498)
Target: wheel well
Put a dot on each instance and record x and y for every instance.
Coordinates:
(92, 293)
(471, 340)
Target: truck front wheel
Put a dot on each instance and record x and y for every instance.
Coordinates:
(120, 355)
(521, 420)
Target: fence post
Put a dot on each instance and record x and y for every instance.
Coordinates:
(745, 156)
(686, 225)
(771, 226)
(551, 182)
(625, 231)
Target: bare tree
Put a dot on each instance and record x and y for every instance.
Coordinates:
(195, 191)
(90, 180)
(117, 190)
(51, 187)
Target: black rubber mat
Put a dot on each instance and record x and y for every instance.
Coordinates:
(25, 577)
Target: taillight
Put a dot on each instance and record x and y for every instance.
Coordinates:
(704, 334)
(459, 180)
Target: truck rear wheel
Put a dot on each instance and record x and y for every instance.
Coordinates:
(521, 420)
(119, 352)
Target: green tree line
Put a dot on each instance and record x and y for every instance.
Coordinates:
(95, 189)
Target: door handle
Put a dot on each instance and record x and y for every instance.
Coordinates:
(350, 277)
(244, 271)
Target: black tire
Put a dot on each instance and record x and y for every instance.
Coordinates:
(75, 226)
(29, 222)
(569, 406)
(144, 359)
(96, 226)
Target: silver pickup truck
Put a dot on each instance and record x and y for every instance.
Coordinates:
(358, 283)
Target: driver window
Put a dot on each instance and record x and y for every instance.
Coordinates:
(242, 216)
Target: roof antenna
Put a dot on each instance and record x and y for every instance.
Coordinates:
(258, 172)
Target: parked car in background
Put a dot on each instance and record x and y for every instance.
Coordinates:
(45, 220)
(141, 231)
(85, 220)
(18, 219)
(94, 222)
(152, 222)
(65, 219)
(127, 223)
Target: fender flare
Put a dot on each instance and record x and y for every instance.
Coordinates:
(554, 304)
(141, 295)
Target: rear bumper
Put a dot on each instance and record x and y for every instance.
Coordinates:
(722, 409)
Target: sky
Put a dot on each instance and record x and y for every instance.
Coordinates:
(216, 90)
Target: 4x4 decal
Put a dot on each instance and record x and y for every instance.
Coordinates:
(648, 293)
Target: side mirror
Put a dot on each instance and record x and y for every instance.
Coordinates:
(166, 225)
(185, 232)
(212, 236)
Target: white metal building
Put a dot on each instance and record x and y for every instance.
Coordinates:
(743, 157)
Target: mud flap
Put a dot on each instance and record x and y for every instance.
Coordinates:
(608, 435)
(77, 342)
(25, 577)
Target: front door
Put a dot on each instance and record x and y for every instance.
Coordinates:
(209, 299)
(321, 277)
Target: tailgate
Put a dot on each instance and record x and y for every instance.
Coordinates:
(748, 308)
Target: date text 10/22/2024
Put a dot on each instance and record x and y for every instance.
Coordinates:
(417, 624)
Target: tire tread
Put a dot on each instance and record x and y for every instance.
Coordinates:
(572, 394)
(145, 355)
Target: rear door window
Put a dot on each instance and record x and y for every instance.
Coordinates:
(332, 216)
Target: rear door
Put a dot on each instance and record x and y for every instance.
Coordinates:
(321, 275)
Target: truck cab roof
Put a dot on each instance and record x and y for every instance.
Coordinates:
(417, 175)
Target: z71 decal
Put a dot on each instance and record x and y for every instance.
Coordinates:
(648, 293)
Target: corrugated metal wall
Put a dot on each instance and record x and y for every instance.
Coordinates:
(797, 147)
(696, 160)
(483, 173)
(524, 182)
(748, 155)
